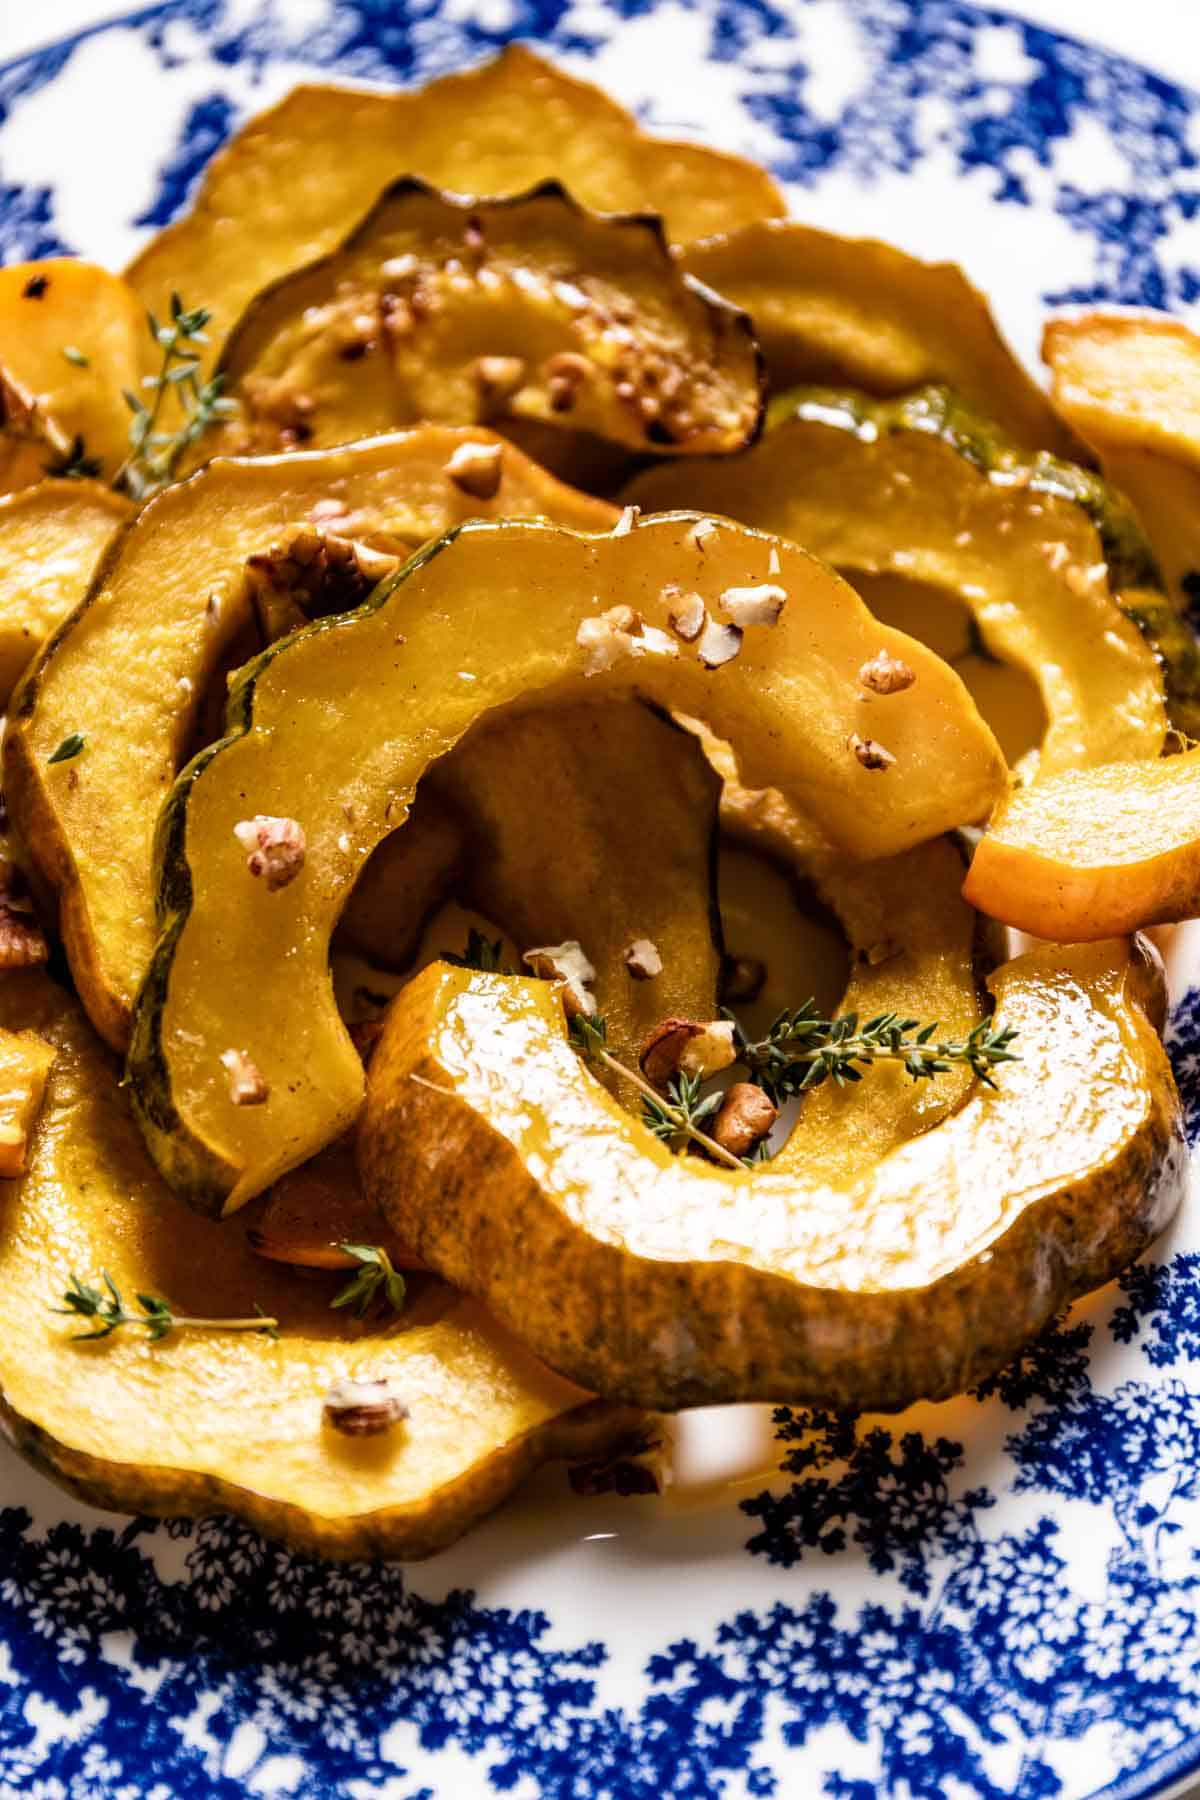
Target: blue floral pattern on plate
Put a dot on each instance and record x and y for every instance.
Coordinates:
(995, 1599)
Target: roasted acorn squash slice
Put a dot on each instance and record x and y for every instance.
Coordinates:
(492, 618)
(234, 1423)
(1095, 852)
(169, 605)
(1037, 549)
(857, 312)
(52, 537)
(456, 311)
(675, 1283)
(72, 337)
(1128, 384)
(284, 190)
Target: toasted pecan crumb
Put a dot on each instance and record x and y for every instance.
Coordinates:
(687, 1046)
(363, 1406)
(642, 959)
(746, 1116)
(275, 849)
(476, 469)
(497, 379)
(870, 754)
(687, 616)
(760, 605)
(886, 674)
(247, 1086)
(568, 965)
(718, 644)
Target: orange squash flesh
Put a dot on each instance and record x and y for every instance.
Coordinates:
(1092, 853)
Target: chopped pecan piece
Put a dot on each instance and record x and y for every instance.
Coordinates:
(22, 942)
(476, 469)
(760, 605)
(247, 1086)
(718, 644)
(360, 1407)
(746, 1116)
(643, 960)
(870, 754)
(687, 616)
(567, 964)
(687, 1047)
(310, 574)
(497, 379)
(886, 674)
(275, 848)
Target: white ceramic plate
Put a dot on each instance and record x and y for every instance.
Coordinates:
(991, 1598)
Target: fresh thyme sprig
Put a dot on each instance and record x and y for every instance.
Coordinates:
(589, 1035)
(802, 1049)
(375, 1280)
(153, 452)
(481, 953)
(686, 1104)
(109, 1313)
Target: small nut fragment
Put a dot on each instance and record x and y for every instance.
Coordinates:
(497, 379)
(567, 964)
(363, 1407)
(718, 644)
(742, 978)
(687, 617)
(701, 531)
(22, 943)
(621, 631)
(311, 573)
(642, 959)
(275, 848)
(688, 1047)
(886, 674)
(754, 605)
(246, 1084)
(565, 374)
(773, 563)
(746, 1116)
(870, 754)
(626, 522)
(476, 469)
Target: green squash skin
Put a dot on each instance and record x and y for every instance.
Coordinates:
(185, 1160)
(1133, 570)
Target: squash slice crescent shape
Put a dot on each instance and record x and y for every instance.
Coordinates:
(168, 609)
(284, 190)
(349, 714)
(1044, 555)
(495, 1152)
(52, 537)
(859, 312)
(233, 1423)
(602, 331)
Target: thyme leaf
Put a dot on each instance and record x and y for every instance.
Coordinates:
(106, 1310)
(375, 1280)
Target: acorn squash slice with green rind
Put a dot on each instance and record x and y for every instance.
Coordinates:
(599, 328)
(168, 608)
(1045, 555)
(286, 187)
(508, 1166)
(317, 726)
(856, 312)
(208, 1422)
(52, 537)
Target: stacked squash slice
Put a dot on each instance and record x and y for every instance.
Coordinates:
(550, 547)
